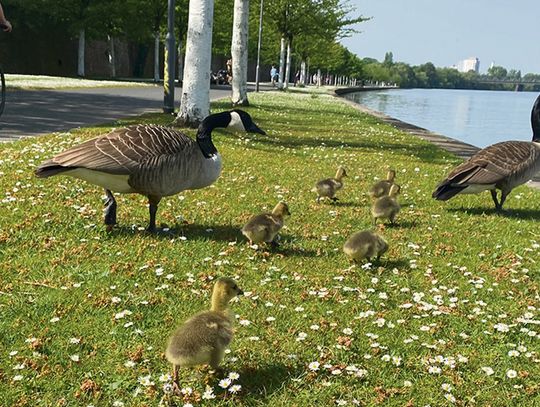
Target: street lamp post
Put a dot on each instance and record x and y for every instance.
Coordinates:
(259, 48)
(170, 62)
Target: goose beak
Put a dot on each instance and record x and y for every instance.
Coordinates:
(240, 292)
(255, 129)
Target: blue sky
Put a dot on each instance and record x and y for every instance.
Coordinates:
(444, 32)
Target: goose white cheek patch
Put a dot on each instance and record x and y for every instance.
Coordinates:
(236, 122)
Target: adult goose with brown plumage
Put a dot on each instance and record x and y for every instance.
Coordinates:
(501, 166)
(150, 160)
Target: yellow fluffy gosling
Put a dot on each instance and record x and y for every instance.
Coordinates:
(382, 188)
(386, 207)
(365, 245)
(202, 339)
(329, 186)
(266, 226)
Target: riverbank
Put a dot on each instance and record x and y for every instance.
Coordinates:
(451, 308)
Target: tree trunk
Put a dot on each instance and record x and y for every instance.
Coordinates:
(80, 60)
(288, 68)
(239, 53)
(195, 100)
(180, 57)
(319, 78)
(112, 56)
(156, 56)
(281, 63)
(303, 73)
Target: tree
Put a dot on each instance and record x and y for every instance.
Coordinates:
(497, 72)
(388, 59)
(195, 100)
(239, 52)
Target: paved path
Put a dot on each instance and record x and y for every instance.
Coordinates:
(34, 112)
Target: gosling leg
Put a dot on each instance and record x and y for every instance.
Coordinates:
(153, 202)
(176, 386)
(110, 210)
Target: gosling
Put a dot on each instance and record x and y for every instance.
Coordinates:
(365, 245)
(382, 188)
(266, 226)
(386, 207)
(329, 186)
(202, 339)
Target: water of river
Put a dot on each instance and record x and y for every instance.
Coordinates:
(476, 117)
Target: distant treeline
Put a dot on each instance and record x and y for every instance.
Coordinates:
(429, 76)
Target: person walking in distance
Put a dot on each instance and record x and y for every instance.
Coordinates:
(273, 75)
(5, 25)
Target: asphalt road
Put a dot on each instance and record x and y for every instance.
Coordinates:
(34, 112)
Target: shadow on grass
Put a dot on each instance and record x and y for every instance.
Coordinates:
(398, 224)
(190, 231)
(261, 382)
(394, 263)
(506, 213)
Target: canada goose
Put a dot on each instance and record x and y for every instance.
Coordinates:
(329, 186)
(365, 245)
(202, 339)
(386, 207)
(265, 227)
(501, 166)
(150, 160)
(382, 188)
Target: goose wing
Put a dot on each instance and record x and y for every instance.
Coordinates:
(122, 151)
(495, 163)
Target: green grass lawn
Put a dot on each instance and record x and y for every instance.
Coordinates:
(450, 316)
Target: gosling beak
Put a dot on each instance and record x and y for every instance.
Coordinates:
(240, 292)
(256, 129)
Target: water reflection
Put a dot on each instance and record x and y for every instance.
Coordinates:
(480, 118)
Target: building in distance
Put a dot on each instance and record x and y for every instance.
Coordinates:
(469, 64)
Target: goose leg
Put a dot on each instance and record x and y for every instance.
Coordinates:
(153, 202)
(110, 209)
(504, 194)
(495, 200)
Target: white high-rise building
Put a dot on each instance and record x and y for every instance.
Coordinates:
(469, 64)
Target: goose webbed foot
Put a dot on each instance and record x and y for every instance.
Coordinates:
(110, 210)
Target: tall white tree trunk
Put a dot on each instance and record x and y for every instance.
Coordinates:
(80, 59)
(239, 53)
(303, 73)
(195, 100)
(281, 63)
(156, 56)
(288, 68)
(112, 56)
(180, 57)
(319, 79)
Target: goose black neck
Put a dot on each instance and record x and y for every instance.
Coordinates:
(204, 133)
(535, 120)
